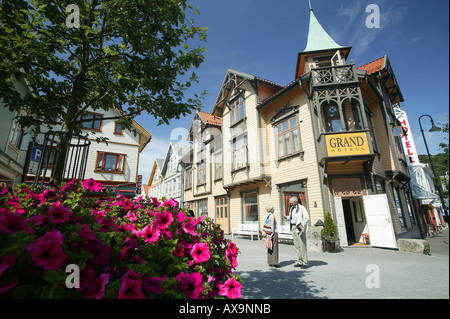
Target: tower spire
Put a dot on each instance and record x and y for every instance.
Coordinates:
(310, 6)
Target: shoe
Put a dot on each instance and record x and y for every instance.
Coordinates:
(274, 266)
(304, 266)
(297, 265)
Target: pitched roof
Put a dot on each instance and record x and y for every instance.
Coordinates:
(211, 119)
(374, 66)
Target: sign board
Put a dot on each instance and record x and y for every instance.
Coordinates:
(36, 153)
(139, 185)
(412, 157)
(347, 144)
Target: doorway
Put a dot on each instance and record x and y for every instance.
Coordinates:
(355, 221)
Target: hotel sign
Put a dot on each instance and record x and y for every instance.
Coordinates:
(347, 144)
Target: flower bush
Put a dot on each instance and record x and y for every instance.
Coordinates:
(121, 248)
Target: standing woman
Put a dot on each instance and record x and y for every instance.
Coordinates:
(272, 254)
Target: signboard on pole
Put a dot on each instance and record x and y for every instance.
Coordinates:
(412, 157)
(35, 158)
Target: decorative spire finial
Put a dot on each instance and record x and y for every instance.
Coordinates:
(310, 7)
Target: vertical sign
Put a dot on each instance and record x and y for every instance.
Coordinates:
(139, 185)
(408, 142)
(36, 154)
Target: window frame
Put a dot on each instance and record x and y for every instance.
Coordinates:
(282, 134)
(237, 109)
(239, 150)
(96, 117)
(117, 124)
(117, 162)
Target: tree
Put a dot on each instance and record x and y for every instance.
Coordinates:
(131, 55)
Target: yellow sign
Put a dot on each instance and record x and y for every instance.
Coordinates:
(347, 144)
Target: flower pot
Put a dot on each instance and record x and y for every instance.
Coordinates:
(331, 246)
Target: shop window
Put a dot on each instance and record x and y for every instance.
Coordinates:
(399, 207)
(250, 205)
(110, 163)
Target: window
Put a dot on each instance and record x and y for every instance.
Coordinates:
(202, 206)
(239, 152)
(118, 129)
(188, 179)
(218, 173)
(332, 118)
(287, 137)
(222, 207)
(95, 124)
(201, 173)
(15, 137)
(110, 162)
(399, 207)
(237, 110)
(250, 208)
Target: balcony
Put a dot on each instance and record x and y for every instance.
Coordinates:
(330, 76)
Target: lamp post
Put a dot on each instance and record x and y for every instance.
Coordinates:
(434, 128)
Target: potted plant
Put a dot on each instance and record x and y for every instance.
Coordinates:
(329, 234)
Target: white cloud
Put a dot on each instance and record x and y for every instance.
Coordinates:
(157, 148)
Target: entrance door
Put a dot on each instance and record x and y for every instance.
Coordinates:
(340, 221)
(379, 221)
(222, 213)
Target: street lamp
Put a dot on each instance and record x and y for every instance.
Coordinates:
(434, 128)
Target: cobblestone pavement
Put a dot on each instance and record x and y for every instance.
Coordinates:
(353, 273)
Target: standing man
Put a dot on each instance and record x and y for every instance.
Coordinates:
(299, 219)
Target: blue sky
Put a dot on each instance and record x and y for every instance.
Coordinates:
(263, 38)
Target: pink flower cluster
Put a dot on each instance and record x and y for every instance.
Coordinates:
(124, 249)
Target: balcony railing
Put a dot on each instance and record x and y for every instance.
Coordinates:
(332, 75)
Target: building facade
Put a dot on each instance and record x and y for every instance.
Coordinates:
(327, 137)
(114, 164)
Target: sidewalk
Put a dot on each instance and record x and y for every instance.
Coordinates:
(348, 274)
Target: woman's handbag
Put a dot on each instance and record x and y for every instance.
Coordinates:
(267, 228)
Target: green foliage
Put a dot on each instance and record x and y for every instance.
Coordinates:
(329, 231)
(129, 55)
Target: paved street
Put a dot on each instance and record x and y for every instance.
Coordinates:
(343, 275)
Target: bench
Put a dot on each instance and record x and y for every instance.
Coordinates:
(284, 232)
(246, 229)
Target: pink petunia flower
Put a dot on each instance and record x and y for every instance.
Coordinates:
(131, 216)
(91, 185)
(7, 262)
(190, 284)
(200, 252)
(170, 202)
(189, 227)
(59, 214)
(11, 222)
(86, 233)
(163, 220)
(96, 288)
(100, 251)
(231, 254)
(231, 289)
(47, 252)
(131, 286)
(150, 234)
(153, 285)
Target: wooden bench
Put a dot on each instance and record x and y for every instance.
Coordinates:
(284, 232)
(246, 229)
